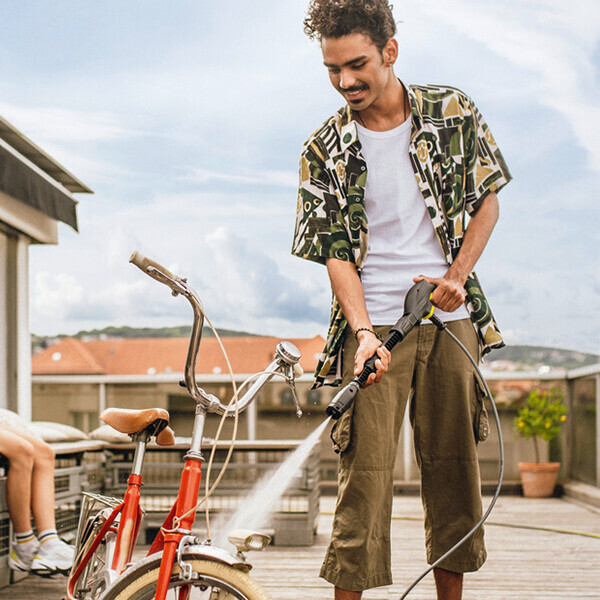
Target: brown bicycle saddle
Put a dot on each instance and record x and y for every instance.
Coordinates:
(134, 421)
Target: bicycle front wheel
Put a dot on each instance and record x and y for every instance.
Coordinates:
(210, 580)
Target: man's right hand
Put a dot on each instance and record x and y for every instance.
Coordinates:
(347, 287)
(369, 345)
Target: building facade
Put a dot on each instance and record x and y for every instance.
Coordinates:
(36, 193)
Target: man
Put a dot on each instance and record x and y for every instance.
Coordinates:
(386, 185)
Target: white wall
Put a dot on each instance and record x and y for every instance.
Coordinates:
(4, 346)
(15, 340)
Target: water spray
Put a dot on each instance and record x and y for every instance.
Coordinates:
(257, 508)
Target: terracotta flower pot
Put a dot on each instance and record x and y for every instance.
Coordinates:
(538, 479)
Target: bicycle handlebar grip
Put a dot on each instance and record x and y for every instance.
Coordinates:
(143, 263)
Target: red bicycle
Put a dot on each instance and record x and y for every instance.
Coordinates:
(178, 565)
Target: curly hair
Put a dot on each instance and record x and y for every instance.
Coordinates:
(336, 18)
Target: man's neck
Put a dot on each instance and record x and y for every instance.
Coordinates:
(389, 112)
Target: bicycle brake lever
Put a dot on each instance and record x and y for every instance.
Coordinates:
(292, 382)
(173, 283)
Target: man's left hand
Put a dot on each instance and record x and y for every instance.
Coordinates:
(449, 293)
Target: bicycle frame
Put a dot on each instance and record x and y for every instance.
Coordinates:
(183, 512)
(127, 530)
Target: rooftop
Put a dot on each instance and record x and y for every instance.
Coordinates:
(155, 356)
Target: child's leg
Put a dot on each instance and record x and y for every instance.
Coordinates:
(20, 454)
(42, 481)
(42, 485)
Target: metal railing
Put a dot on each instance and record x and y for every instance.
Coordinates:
(580, 448)
(580, 441)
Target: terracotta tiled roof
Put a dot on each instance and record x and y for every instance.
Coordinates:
(70, 355)
(149, 356)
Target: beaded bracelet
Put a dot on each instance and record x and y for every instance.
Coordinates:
(369, 330)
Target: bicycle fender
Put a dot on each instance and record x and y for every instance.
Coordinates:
(197, 551)
(217, 554)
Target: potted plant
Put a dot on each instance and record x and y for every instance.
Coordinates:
(542, 416)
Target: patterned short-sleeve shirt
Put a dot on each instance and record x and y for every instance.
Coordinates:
(456, 163)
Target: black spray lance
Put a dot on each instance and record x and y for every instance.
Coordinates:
(417, 306)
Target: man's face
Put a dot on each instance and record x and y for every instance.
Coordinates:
(357, 69)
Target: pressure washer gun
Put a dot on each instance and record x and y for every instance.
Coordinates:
(417, 306)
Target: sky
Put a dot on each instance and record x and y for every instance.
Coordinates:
(187, 119)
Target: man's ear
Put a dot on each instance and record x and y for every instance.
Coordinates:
(390, 52)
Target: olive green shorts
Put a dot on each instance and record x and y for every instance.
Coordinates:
(445, 411)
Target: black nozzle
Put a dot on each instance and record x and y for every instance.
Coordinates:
(342, 400)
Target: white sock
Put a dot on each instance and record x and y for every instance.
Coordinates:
(48, 536)
(26, 542)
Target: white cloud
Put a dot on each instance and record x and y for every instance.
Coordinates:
(62, 305)
(241, 285)
(72, 136)
(553, 40)
(263, 178)
(245, 281)
(55, 295)
(50, 124)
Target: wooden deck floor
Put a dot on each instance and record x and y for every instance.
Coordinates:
(536, 552)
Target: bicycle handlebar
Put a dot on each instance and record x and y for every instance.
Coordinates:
(286, 355)
(154, 269)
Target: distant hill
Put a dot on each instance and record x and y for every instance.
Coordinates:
(531, 357)
(151, 332)
(40, 342)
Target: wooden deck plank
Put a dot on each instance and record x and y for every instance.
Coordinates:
(522, 563)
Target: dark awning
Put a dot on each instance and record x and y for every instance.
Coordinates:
(32, 176)
(19, 180)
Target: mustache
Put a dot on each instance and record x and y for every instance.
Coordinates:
(354, 88)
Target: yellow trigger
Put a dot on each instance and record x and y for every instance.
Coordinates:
(428, 316)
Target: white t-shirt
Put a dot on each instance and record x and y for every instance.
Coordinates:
(402, 241)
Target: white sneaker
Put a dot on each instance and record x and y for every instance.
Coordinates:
(18, 560)
(53, 556)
